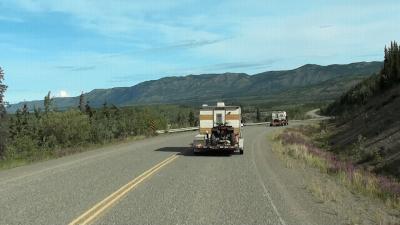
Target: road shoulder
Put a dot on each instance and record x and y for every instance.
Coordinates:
(339, 203)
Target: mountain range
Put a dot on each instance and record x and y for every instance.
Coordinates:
(306, 84)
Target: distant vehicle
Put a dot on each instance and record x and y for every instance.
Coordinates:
(220, 129)
(279, 118)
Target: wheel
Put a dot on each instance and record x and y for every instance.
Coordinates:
(241, 151)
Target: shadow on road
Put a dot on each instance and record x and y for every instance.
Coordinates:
(188, 151)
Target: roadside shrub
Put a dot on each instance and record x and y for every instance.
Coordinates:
(65, 129)
(38, 135)
(101, 132)
(22, 147)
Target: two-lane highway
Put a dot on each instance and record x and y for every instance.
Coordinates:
(144, 183)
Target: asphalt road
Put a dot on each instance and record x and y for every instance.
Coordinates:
(254, 188)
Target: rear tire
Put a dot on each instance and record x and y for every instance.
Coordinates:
(241, 151)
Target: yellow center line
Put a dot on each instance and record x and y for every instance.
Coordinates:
(94, 212)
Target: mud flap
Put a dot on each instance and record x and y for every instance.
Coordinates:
(241, 143)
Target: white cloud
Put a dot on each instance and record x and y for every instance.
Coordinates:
(62, 94)
(246, 36)
(121, 18)
(354, 29)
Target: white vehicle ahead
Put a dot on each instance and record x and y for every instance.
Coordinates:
(279, 118)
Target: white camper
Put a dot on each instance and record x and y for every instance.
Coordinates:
(220, 129)
(279, 118)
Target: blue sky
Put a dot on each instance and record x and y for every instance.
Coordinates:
(70, 46)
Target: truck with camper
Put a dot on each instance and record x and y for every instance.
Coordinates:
(279, 118)
(220, 129)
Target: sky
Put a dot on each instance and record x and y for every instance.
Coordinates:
(73, 46)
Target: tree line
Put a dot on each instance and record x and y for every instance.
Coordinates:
(388, 77)
(32, 134)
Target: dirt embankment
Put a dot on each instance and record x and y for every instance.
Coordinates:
(347, 193)
(372, 134)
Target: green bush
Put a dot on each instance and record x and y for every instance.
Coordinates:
(65, 129)
(43, 134)
(22, 147)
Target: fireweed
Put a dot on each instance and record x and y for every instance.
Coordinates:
(349, 173)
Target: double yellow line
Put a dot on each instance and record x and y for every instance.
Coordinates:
(90, 215)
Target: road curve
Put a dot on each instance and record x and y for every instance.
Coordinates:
(313, 114)
(254, 188)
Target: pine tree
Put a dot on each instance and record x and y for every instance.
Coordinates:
(37, 112)
(191, 119)
(18, 122)
(258, 115)
(180, 119)
(3, 124)
(82, 103)
(88, 110)
(48, 103)
(25, 119)
(106, 110)
(390, 72)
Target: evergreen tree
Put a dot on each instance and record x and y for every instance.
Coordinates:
(48, 103)
(37, 112)
(181, 119)
(88, 110)
(390, 73)
(258, 115)
(3, 125)
(178, 118)
(191, 119)
(18, 121)
(24, 120)
(106, 110)
(82, 103)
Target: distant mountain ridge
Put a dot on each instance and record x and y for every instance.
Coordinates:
(309, 83)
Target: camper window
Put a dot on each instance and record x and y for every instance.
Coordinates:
(219, 118)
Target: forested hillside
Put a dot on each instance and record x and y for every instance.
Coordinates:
(377, 84)
(367, 124)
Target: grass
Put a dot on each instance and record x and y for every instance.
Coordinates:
(11, 163)
(295, 144)
(322, 191)
(58, 153)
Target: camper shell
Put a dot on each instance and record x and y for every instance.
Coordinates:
(220, 129)
(279, 118)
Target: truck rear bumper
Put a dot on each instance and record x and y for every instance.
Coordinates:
(217, 149)
(282, 123)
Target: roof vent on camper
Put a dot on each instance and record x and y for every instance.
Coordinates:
(220, 104)
(204, 105)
